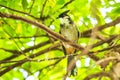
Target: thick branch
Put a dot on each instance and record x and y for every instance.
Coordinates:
(56, 35)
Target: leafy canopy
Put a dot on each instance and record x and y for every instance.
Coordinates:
(30, 44)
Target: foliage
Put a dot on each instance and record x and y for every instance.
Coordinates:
(30, 51)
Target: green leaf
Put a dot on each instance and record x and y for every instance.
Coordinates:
(9, 30)
(117, 10)
(24, 4)
(16, 35)
(60, 2)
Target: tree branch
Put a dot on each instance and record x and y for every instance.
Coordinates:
(105, 49)
(19, 37)
(50, 65)
(108, 40)
(99, 74)
(113, 23)
(18, 53)
(67, 4)
(19, 11)
(43, 7)
(31, 6)
(26, 59)
(45, 28)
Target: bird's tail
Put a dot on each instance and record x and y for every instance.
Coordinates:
(72, 71)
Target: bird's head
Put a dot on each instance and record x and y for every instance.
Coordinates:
(64, 18)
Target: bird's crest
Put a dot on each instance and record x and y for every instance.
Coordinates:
(63, 14)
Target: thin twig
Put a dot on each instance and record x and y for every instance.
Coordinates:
(53, 64)
(11, 35)
(105, 49)
(43, 7)
(108, 40)
(31, 6)
(41, 60)
(67, 4)
(50, 65)
(10, 51)
(18, 11)
(18, 53)
(24, 37)
(26, 59)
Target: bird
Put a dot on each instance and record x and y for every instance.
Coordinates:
(69, 30)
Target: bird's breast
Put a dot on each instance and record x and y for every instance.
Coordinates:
(70, 32)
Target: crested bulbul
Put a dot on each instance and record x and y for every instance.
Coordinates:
(69, 30)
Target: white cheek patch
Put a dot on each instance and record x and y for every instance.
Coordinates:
(64, 21)
(61, 20)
